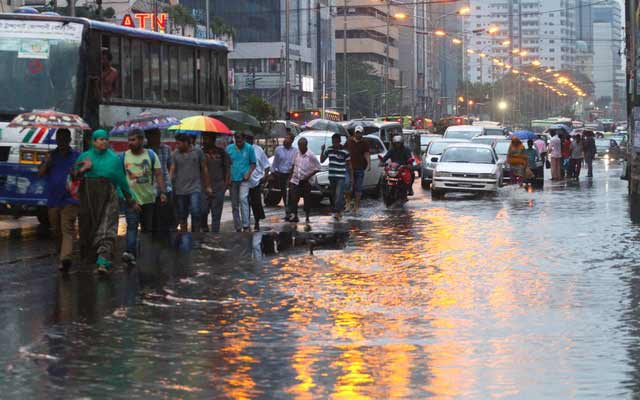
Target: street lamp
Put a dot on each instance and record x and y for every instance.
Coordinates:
(502, 106)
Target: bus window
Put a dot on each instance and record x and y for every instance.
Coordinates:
(155, 72)
(164, 73)
(126, 69)
(173, 93)
(203, 78)
(213, 68)
(146, 71)
(186, 72)
(114, 48)
(136, 58)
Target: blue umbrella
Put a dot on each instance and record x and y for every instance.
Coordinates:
(525, 135)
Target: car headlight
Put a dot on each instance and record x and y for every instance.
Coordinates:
(440, 174)
(488, 176)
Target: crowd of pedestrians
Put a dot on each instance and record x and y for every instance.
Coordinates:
(567, 154)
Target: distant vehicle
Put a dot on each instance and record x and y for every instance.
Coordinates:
(501, 146)
(609, 147)
(467, 132)
(432, 156)
(494, 131)
(425, 139)
(387, 130)
(540, 125)
(279, 128)
(468, 168)
(487, 124)
(303, 116)
(606, 124)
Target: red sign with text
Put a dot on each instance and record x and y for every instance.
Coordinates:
(145, 21)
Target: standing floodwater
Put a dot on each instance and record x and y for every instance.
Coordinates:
(522, 295)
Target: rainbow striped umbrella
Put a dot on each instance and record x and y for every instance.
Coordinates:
(201, 124)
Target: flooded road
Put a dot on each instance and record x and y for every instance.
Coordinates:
(522, 295)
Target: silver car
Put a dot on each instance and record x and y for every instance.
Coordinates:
(431, 157)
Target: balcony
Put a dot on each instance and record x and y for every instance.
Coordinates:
(366, 46)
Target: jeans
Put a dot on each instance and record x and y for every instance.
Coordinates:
(240, 204)
(134, 219)
(336, 186)
(214, 205)
(358, 180)
(63, 222)
(189, 204)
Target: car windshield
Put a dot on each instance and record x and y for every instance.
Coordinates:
(425, 140)
(502, 147)
(602, 143)
(481, 140)
(315, 143)
(471, 155)
(494, 131)
(39, 60)
(436, 148)
(454, 134)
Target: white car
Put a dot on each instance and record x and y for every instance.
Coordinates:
(431, 157)
(467, 167)
(466, 132)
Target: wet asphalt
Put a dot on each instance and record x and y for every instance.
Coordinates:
(526, 294)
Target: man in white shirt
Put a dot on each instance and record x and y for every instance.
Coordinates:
(258, 177)
(305, 166)
(555, 153)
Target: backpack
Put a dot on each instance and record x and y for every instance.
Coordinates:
(152, 157)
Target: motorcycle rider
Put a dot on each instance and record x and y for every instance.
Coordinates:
(400, 154)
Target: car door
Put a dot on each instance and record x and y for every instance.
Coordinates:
(372, 176)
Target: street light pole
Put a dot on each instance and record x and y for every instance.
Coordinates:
(287, 88)
(385, 75)
(344, 60)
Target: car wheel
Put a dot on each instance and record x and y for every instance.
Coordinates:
(425, 184)
(437, 194)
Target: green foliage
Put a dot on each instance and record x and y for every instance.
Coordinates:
(259, 108)
(109, 13)
(220, 27)
(365, 88)
(180, 16)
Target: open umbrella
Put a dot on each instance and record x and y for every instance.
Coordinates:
(201, 124)
(238, 120)
(49, 119)
(326, 125)
(368, 126)
(144, 121)
(525, 135)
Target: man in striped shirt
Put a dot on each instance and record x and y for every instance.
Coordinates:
(338, 157)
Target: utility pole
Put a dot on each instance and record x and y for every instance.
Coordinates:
(206, 11)
(385, 75)
(72, 7)
(324, 86)
(287, 87)
(345, 77)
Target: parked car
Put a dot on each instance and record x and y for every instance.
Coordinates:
(466, 132)
(431, 157)
(320, 182)
(469, 168)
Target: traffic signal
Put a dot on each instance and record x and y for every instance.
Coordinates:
(458, 121)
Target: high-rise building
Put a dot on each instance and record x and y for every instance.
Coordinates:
(608, 69)
(363, 29)
(259, 59)
(544, 29)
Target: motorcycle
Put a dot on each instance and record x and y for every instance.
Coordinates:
(397, 179)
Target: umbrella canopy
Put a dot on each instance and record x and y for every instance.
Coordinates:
(525, 135)
(326, 125)
(144, 121)
(49, 119)
(201, 124)
(238, 120)
(369, 126)
(560, 126)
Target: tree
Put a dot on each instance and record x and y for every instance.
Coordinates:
(259, 108)
(180, 16)
(365, 88)
(220, 28)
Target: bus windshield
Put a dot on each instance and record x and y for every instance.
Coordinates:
(39, 64)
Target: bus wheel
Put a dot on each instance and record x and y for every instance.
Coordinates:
(43, 216)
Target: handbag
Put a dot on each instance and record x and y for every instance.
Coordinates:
(547, 164)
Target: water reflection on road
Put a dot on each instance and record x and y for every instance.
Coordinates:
(528, 294)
